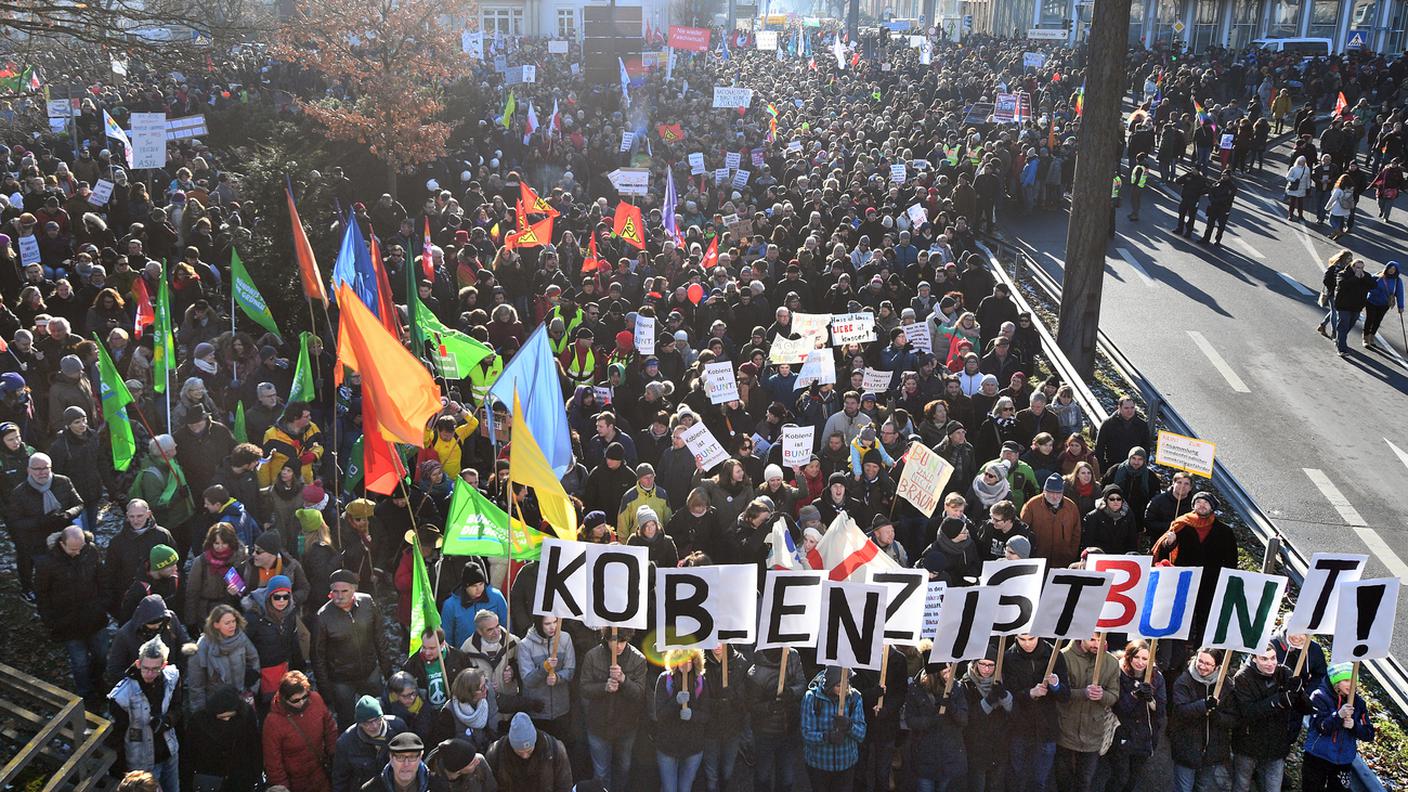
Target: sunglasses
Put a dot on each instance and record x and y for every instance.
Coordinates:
(297, 699)
(280, 597)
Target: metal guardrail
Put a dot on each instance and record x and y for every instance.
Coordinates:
(1389, 672)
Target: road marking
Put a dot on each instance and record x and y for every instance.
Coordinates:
(1387, 348)
(1380, 548)
(1218, 362)
(1336, 498)
(1129, 259)
(1400, 453)
(1295, 284)
(1247, 248)
(1305, 240)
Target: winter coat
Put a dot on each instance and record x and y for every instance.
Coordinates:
(442, 724)
(611, 715)
(128, 553)
(137, 727)
(480, 780)
(949, 563)
(1327, 738)
(1298, 181)
(1035, 718)
(70, 591)
(546, 702)
(772, 714)
(936, 740)
(493, 665)
(1351, 291)
(130, 636)
(458, 612)
(986, 737)
(81, 459)
(288, 567)
(229, 749)
(319, 560)
(349, 645)
(725, 504)
(728, 706)
(206, 589)
(821, 749)
(275, 640)
(661, 549)
(358, 758)
(1116, 437)
(1112, 533)
(298, 745)
(222, 661)
(1268, 712)
(1140, 727)
(1055, 533)
(680, 732)
(26, 520)
(1082, 721)
(1198, 738)
(547, 769)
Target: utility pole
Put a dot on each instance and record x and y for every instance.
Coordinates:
(853, 22)
(1097, 163)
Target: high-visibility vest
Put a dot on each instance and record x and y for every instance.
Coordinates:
(951, 154)
(1139, 177)
(583, 369)
(481, 379)
(1115, 188)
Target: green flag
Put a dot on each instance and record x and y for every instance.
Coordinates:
(164, 346)
(116, 397)
(424, 616)
(352, 477)
(239, 430)
(248, 297)
(303, 389)
(509, 107)
(20, 83)
(478, 527)
(453, 352)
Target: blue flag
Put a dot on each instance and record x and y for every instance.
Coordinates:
(533, 371)
(354, 266)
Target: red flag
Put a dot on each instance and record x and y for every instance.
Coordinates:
(670, 132)
(855, 59)
(381, 465)
(427, 261)
(1341, 105)
(532, 202)
(385, 304)
(711, 256)
(145, 313)
(535, 235)
(592, 262)
(303, 254)
(629, 225)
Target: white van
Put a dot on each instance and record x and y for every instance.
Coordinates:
(1305, 47)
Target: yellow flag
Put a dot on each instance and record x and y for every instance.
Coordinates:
(527, 465)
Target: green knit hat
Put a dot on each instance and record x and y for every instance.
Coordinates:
(1341, 672)
(162, 557)
(310, 519)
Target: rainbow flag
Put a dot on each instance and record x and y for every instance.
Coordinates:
(1080, 100)
(1204, 117)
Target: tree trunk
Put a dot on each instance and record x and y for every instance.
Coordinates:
(391, 180)
(1097, 163)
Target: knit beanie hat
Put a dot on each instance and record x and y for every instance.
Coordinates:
(311, 520)
(1021, 546)
(367, 709)
(646, 514)
(161, 557)
(279, 583)
(951, 527)
(1341, 672)
(772, 472)
(270, 542)
(521, 733)
(1054, 483)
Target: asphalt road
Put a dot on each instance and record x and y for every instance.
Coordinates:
(1228, 335)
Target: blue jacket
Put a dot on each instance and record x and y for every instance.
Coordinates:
(1327, 737)
(1386, 291)
(818, 711)
(457, 616)
(246, 528)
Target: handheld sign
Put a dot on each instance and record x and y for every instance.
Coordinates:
(1126, 595)
(702, 607)
(898, 173)
(29, 250)
(1018, 583)
(1317, 606)
(732, 160)
(904, 611)
(705, 447)
(1185, 453)
(819, 368)
(616, 586)
(719, 382)
(628, 139)
(852, 328)
(875, 380)
(1364, 623)
(1070, 603)
(797, 444)
(791, 612)
(965, 624)
(852, 630)
(923, 479)
(933, 601)
(740, 178)
(1243, 610)
(720, 175)
(102, 192)
(1168, 602)
(918, 335)
(645, 335)
(696, 164)
(561, 587)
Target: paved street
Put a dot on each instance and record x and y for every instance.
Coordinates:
(1228, 335)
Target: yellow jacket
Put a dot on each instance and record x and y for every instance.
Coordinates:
(280, 448)
(448, 451)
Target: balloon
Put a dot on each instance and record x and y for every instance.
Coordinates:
(695, 293)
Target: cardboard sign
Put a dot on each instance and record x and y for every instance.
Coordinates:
(1018, 583)
(61, 108)
(630, 181)
(811, 325)
(101, 194)
(758, 156)
(604, 395)
(852, 630)
(918, 335)
(29, 250)
(1168, 602)
(472, 44)
(923, 479)
(1364, 621)
(628, 140)
(767, 40)
(186, 127)
(852, 328)
(791, 612)
(819, 368)
(732, 159)
(965, 624)
(794, 147)
(719, 382)
(602, 585)
(1185, 453)
(558, 47)
(1033, 60)
(876, 381)
(704, 445)
(918, 215)
(148, 140)
(1244, 609)
(696, 164)
(561, 587)
(720, 175)
(740, 178)
(1070, 603)
(732, 98)
(702, 607)
(645, 335)
(933, 601)
(694, 39)
(1318, 603)
(797, 445)
(904, 613)
(1126, 597)
(898, 173)
(790, 350)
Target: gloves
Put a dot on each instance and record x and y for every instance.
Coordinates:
(686, 713)
(1283, 700)
(1211, 703)
(840, 727)
(1143, 691)
(682, 697)
(996, 693)
(308, 457)
(1296, 684)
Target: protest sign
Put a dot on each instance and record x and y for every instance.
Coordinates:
(790, 350)
(696, 164)
(1318, 602)
(148, 140)
(645, 335)
(898, 173)
(628, 139)
(852, 630)
(740, 178)
(630, 181)
(819, 368)
(1364, 620)
(964, 626)
(767, 40)
(918, 215)
(720, 175)
(60, 108)
(102, 192)
(1126, 597)
(876, 381)
(701, 607)
(29, 250)
(794, 147)
(797, 444)
(758, 156)
(1018, 583)
(719, 382)
(852, 328)
(1185, 453)
(923, 479)
(1033, 60)
(1243, 610)
(790, 615)
(472, 44)
(694, 39)
(561, 587)
(1168, 602)
(904, 613)
(186, 128)
(732, 98)
(933, 600)
(811, 325)
(1004, 108)
(918, 335)
(616, 586)
(1070, 603)
(706, 448)
(732, 159)
(604, 395)
(557, 47)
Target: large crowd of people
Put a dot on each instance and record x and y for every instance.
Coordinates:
(240, 608)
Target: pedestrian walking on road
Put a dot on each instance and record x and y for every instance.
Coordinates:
(1297, 187)
(1220, 199)
(1138, 180)
(1333, 267)
(1340, 205)
(1193, 185)
(1352, 288)
(1388, 289)
(1386, 185)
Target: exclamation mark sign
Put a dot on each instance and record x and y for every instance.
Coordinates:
(1368, 600)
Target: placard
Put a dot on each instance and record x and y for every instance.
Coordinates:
(819, 368)
(645, 335)
(740, 178)
(1185, 453)
(904, 611)
(797, 445)
(102, 192)
(923, 478)
(918, 335)
(472, 44)
(704, 445)
(811, 325)
(630, 181)
(696, 164)
(628, 139)
(852, 629)
(617, 586)
(558, 47)
(720, 382)
(1126, 597)
(790, 350)
(767, 40)
(148, 140)
(758, 156)
(918, 215)
(876, 381)
(965, 624)
(898, 173)
(702, 607)
(794, 147)
(1018, 582)
(1317, 605)
(732, 159)
(720, 175)
(604, 394)
(1033, 60)
(61, 108)
(186, 127)
(1168, 602)
(732, 98)
(1070, 603)
(1364, 620)
(933, 600)
(694, 39)
(791, 612)
(853, 328)
(1244, 609)
(29, 250)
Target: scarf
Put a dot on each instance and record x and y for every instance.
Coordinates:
(472, 718)
(1003, 422)
(266, 574)
(1084, 490)
(1202, 526)
(218, 563)
(984, 684)
(1210, 679)
(988, 494)
(51, 503)
(208, 366)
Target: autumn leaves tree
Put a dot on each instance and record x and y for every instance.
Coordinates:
(388, 62)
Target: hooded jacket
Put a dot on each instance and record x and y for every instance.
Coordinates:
(546, 702)
(547, 769)
(70, 591)
(1327, 738)
(130, 636)
(1140, 727)
(221, 661)
(1268, 712)
(146, 736)
(1197, 736)
(819, 712)
(298, 743)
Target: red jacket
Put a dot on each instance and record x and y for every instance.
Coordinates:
(296, 745)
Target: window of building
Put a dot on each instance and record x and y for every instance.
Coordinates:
(1245, 19)
(1285, 19)
(1054, 12)
(1396, 37)
(1204, 26)
(508, 21)
(567, 23)
(1136, 22)
(1324, 18)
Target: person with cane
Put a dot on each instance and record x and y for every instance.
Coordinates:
(1387, 290)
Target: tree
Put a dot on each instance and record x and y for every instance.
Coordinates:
(1097, 162)
(159, 32)
(389, 60)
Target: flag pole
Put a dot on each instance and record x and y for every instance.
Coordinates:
(336, 430)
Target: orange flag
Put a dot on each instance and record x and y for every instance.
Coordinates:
(520, 216)
(592, 262)
(629, 225)
(535, 235)
(1341, 105)
(534, 204)
(303, 254)
(401, 391)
